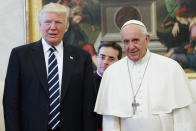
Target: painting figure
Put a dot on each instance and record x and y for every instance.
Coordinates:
(179, 34)
(75, 35)
(177, 31)
(182, 51)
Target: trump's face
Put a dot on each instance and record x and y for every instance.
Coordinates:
(53, 25)
(135, 41)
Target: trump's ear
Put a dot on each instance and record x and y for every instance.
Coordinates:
(40, 24)
(66, 29)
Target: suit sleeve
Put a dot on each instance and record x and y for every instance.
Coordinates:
(90, 120)
(11, 100)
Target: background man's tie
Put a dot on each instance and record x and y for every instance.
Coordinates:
(53, 83)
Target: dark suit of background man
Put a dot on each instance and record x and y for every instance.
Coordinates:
(108, 53)
(26, 95)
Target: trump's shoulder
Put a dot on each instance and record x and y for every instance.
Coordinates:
(27, 46)
(75, 50)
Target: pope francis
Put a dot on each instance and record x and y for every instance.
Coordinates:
(144, 91)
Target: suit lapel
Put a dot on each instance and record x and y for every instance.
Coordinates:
(39, 63)
(68, 62)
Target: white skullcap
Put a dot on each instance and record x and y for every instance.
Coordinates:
(133, 22)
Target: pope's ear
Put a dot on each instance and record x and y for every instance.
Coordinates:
(147, 38)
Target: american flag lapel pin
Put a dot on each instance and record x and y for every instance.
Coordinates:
(71, 57)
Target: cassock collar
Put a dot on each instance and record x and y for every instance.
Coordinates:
(141, 61)
(99, 73)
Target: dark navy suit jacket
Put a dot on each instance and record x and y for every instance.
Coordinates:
(26, 95)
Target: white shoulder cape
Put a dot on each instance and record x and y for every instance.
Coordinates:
(167, 83)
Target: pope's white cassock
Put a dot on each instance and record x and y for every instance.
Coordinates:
(160, 88)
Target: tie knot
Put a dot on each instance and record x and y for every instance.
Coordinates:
(52, 49)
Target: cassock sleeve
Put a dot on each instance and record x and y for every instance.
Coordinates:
(167, 122)
(183, 120)
(111, 123)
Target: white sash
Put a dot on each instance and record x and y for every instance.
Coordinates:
(141, 124)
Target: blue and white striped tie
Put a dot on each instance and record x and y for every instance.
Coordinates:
(53, 83)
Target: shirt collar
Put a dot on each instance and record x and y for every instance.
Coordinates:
(143, 60)
(99, 73)
(46, 46)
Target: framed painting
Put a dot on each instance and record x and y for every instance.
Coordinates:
(169, 23)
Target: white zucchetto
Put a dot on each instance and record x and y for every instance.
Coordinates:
(133, 22)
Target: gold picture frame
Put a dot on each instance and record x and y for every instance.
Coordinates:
(33, 32)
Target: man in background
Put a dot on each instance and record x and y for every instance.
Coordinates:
(49, 84)
(108, 53)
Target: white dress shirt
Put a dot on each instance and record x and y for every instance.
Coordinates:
(59, 55)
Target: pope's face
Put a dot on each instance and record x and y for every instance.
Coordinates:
(135, 41)
(53, 26)
(106, 57)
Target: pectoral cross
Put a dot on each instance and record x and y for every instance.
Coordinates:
(135, 105)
